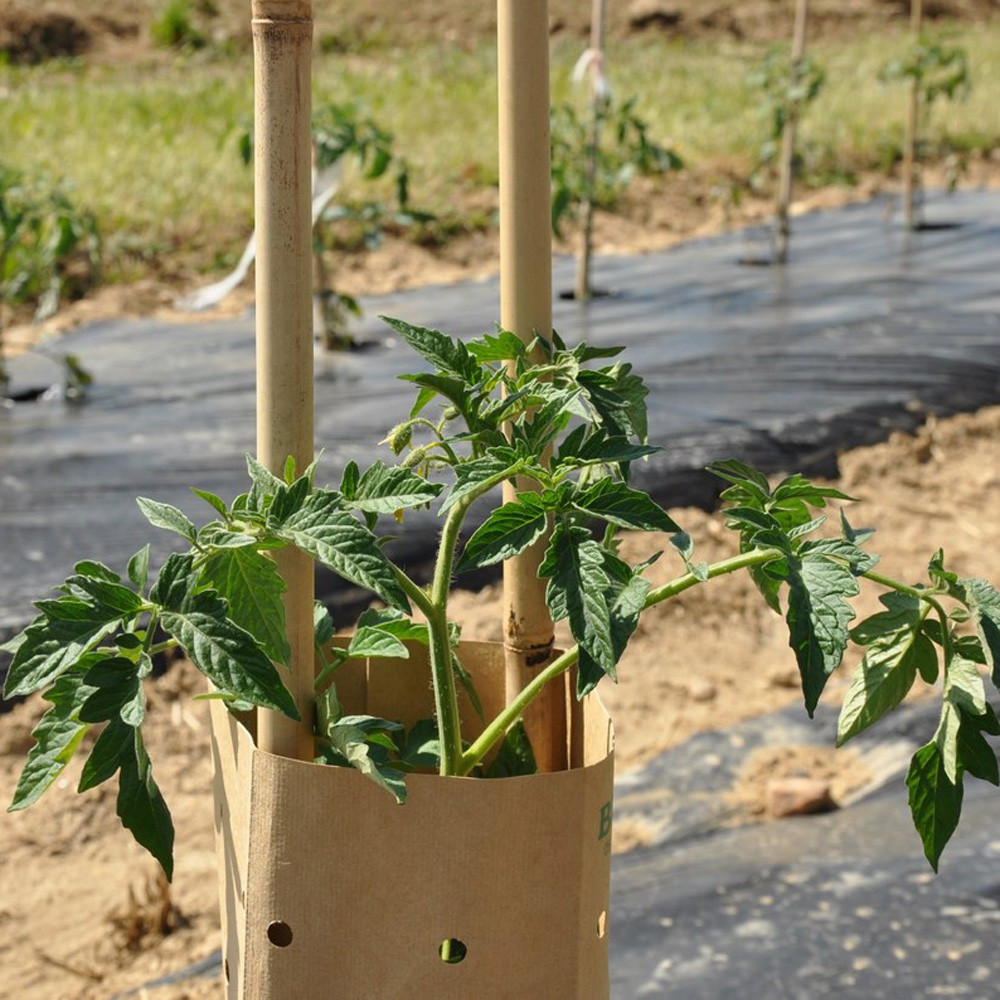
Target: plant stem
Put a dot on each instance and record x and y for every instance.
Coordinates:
(499, 726)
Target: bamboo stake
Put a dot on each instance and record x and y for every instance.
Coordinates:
(582, 292)
(912, 125)
(526, 309)
(282, 33)
(786, 164)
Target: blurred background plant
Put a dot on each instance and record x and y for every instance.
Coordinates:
(597, 174)
(936, 71)
(50, 249)
(781, 90)
(344, 137)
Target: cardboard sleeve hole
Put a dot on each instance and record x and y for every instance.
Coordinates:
(279, 934)
(452, 951)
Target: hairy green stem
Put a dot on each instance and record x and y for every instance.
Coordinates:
(436, 611)
(498, 727)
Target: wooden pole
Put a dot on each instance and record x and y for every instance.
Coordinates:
(912, 125)
(583, 290)
(786, 163)
(282, 34)
(526, 309)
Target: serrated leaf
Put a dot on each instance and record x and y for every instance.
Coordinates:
(265, 482)
(288, 500)
(118, 691)
(253, 588)
(504, 346)
(322, 623)
(351, 743)
(138, 568)
(600, 448)
(624, 507)
(116, 740)
(983, 601)
(515, 756)
(449, 356)
(228, 656)
(141, 807)
(114, 598)
(897, 649)
(94, 570)
(577, 590)
(963, 686)
(818, 616)
(472, 474)
(217, 503)
(175, 583)
(507, 532)
(336, 539)
(935, 802)
(619, 399)
(168, 517)
(51, 646)
(385, 489)
(422, 748)
(57, 737)
(975, 754)
(372, 641)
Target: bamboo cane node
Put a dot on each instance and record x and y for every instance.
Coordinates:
(533, 655)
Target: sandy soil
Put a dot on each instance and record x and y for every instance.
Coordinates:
(82, 916)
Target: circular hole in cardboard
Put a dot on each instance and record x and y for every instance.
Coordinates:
(602, 924)
(453, 951)
(279, 934)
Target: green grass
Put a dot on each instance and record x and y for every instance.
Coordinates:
(152, 148)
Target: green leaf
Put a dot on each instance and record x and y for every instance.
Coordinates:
(217, 503)
(57, 736)
(470, 475)
(505, 346)
(288, 500)
(515, 756)
(322, 623)
(422, 747)
(228, 655)
(265, 483)
(897, 650)
(372, 641)
(818, 615)
(507, 532)
(983, 602)
(216, 535)
(141, 807)
(386, 489)
(351, 743)
(253, 589)
(52, 645)
(165, 515)
(935, 802)
(175, 583)
(119, 692)
(620, 505)
(963, 686)
(600, 448)
(577, 590)
(94, 570)
(117, 739)
(138, 568)
(336, 539)
(975, 754)
(111, 597)
(449, 356)
(619, 399)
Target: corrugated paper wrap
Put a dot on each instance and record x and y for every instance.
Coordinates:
(332, 891)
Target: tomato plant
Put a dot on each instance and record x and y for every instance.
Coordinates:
(572, 422)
